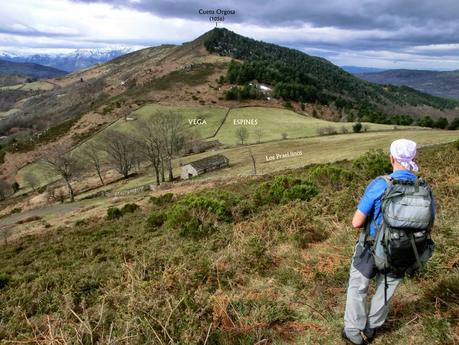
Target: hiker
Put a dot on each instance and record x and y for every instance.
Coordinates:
(375, 253)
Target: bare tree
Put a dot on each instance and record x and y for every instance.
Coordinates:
(259, 134)
(32, 180)
(242, 134)
(120, 148)
(65, 164)
(151, 146)
(93, 154)
(172, 133)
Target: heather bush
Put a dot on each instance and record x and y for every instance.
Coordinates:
(114, 213)
(196, 216)
(282, 189)
(129, 208)
(373, 163)
(330, 174)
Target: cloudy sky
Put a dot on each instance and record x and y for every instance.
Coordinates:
(421, 34)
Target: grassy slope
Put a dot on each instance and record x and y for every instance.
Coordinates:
(213, 116)
(275, 272)
(315, 150)
(270, 119)
(273, 122)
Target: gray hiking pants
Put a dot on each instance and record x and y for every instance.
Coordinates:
(357, 316)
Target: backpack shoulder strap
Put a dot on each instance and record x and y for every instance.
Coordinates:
(389, 179)
(370, 220)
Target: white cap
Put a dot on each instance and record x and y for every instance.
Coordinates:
(404, 151)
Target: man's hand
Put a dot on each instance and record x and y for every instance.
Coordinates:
(359, 219)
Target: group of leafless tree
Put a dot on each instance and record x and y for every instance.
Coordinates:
(156, 141)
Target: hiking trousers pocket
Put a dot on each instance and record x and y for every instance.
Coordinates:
(363, 261)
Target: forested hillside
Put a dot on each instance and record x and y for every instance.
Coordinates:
(300, 77)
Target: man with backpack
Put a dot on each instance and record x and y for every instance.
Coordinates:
(397, 214)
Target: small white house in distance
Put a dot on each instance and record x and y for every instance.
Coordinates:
(204, 165)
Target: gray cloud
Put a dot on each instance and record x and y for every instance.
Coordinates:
(419, 30)
(393, 24)
(345, 14)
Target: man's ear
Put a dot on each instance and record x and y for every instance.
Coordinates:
(392, 160)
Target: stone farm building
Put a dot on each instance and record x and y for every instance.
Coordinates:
(204, 165)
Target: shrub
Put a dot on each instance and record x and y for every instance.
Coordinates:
(357, 127)
(288, 105)
(16, 210)
(162, 199)
(196, 216)
(4, 280)
(329, 130)
(329, 174)
(456, 144)
(454, 124)
(196, 228)
(301, 192)
(42, 189)
(15, 187)
(81, 222)
(129, 208)
(230, 199)
(243, 209)
(373, 163)
(155, 220)
(114, 213)
(284, 188)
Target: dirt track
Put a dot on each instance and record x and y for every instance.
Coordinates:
(13, 219)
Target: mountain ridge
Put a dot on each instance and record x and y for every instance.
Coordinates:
(71, 61)
(29, 69)
(437, 83)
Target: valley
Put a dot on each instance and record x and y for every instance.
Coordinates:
(202, 193)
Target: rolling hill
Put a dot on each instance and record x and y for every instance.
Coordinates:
(437, 83)
(198, 73)
(32, 70)
(12, 73)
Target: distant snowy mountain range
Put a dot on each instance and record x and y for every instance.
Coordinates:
(69, 61)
